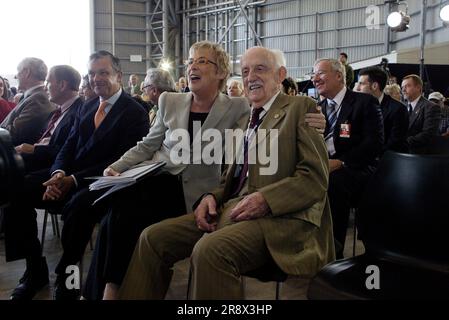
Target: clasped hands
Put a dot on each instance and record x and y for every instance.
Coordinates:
(252, 206)
(57, 186)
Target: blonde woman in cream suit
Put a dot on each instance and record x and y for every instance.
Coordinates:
(174, 191)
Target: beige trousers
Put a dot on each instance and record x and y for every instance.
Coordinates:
(217, 259)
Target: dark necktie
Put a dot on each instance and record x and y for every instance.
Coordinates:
(51, 124)
(238, 186)
(410, 109)
(331, 112)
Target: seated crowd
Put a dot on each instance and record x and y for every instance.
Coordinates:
(231, 215)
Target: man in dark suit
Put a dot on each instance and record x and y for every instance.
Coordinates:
(354, 139)
(27, 120)
(62, 86)
(103, 130)
(372, 80)
(424, 116)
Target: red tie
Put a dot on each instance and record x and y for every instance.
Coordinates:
(100, 114)
(242, 177)
(51, 124)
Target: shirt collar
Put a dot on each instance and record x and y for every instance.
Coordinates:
(28, 92)
(66, 105)
(381, 98)
(415, 102)
(338, 99)
(113, 99)
(269, 103)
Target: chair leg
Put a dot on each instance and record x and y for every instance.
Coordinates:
(81, 266)
(58, 233)
(354, 241)
(278, 289)
(189, 282)
(53, 224)
(44, 229)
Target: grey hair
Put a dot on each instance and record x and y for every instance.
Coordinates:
(279, 58)
(161, 79)
(115, 62)
(336, 65)
(37, 67)
(69, 74)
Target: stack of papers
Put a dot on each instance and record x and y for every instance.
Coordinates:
(125, 179)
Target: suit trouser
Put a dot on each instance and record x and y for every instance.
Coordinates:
(79, 218)
(345, 191)
(131, 210)
(21, 240)
(217, 259)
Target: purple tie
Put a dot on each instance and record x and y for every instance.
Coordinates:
(242, 177)
(51, 124)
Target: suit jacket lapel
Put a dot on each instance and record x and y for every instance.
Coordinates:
(67, 117)
(272, 118)
(345, 111)
(107, 125)
(183, 111)
(416, 112)
(384, 106)
(217, 112)
(219, 109)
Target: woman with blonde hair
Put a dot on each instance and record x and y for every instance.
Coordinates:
(235, 88)
(182, 184)
(394, 91)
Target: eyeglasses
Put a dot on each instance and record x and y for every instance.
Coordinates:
(151, 86)
(200, 61)
(318, 73)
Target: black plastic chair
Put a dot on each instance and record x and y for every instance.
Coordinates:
(439, 145)
(403, 223)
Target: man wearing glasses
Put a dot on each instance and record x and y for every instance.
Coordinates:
(156, 82)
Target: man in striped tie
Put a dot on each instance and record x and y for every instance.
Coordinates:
(354, 139)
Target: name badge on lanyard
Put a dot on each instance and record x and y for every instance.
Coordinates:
(345, 130)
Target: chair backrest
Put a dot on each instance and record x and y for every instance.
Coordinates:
(404, 214)
(439, 145)
(11, 168)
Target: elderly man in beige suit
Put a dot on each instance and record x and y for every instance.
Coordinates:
(283, 216)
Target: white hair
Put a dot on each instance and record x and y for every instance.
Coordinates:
(279, 58)
(336, 65)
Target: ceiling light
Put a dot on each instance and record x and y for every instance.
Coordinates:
(398, 21)
(444, 15)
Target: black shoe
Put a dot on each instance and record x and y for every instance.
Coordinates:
(31, 282)
(61, 292)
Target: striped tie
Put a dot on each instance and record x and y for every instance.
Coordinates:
(331, 117)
